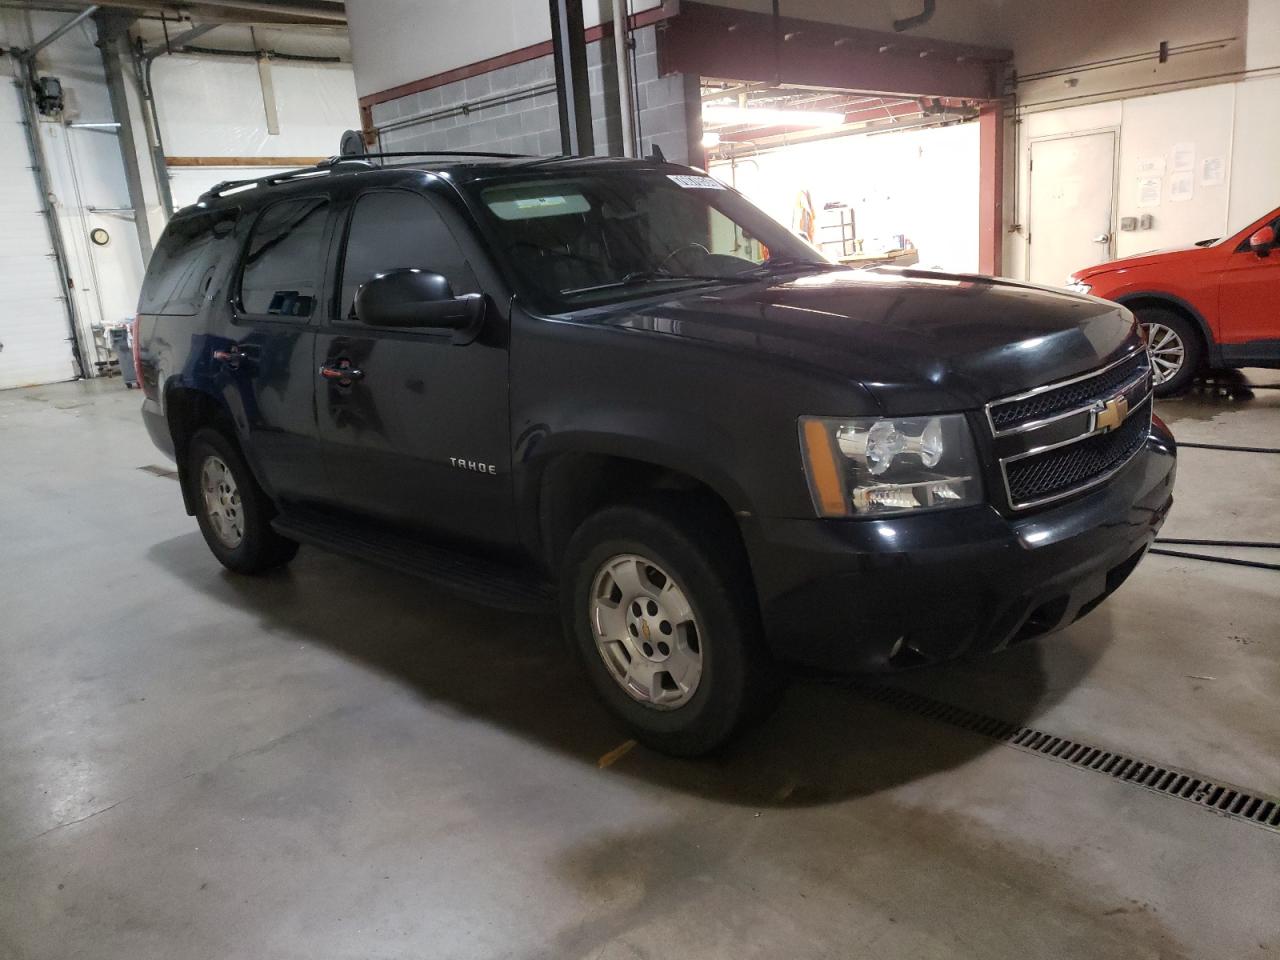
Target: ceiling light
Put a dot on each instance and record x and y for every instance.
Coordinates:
(770, 117)
(710, 140)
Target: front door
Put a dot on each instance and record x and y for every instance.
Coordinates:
(420, 436)
(266, 363)
(1072, 196)
(1249, 297)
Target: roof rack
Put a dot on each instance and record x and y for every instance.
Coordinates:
(339, 164)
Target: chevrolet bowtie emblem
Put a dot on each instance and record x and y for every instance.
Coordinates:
(1111, 414)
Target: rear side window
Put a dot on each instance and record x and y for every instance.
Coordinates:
(284, 262)
(182, 267)
(394, 229)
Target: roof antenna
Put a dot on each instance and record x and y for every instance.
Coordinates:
(656, 154)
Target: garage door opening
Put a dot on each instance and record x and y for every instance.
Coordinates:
(868, 178)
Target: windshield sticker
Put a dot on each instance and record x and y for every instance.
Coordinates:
(510, 207)
(695, 183)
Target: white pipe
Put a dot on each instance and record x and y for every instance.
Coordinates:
(623, 57)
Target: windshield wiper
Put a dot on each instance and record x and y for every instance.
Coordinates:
(776, 264)
(636, 277)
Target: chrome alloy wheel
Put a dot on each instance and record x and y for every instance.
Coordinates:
(1168, 352)
(646, 632)
(222, 502)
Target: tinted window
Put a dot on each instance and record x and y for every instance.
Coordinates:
(395, 229)
(183, 264)
(285, 259)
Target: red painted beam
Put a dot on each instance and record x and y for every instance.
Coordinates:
(991, 188)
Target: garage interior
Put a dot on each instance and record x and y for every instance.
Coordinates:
(913, 199)
(340, 760)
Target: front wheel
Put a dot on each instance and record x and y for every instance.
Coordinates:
(1175, 348)
(659, 603)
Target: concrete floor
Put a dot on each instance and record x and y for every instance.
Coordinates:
(339, 762)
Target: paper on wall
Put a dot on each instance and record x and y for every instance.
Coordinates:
(1181, 186)
(1184, 157)
(1149, 191)
(1151, 166)
(1212, 171)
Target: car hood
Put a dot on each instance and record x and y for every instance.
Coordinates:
(1161, 257)
(918, 341)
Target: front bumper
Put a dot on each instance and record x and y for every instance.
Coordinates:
(862, 595)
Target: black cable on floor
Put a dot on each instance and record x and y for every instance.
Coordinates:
(1220, 446)
(1261, 544)
(1201, 556)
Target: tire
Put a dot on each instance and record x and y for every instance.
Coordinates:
(234, 513)
(672, 552)
(1171, 337)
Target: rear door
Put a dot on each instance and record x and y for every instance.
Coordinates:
(1249, 299)
(422, 437)
(267, 362)
(35, 328)
(1072, 199)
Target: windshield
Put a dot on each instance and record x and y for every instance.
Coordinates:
(588, 239)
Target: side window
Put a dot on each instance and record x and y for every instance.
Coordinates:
(183, 264)
(285, 259)
(395, 229)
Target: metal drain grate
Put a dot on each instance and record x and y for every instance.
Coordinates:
(160, 471)
(1215, 795)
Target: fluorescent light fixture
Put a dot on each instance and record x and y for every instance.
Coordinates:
(710, 140)
(770, 117)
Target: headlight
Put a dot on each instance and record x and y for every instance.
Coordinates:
(1077, 286)
(875, 466)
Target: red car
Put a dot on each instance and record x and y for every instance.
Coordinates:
(1215, 304)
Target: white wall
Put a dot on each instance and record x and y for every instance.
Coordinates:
(922, 183)
(394, 42)
(213, 107)
(85, 171)
(1255, 159)
(209, 106)
(1238, 123)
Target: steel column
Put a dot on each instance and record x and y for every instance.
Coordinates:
(622, 56)
(71, 24)
(573, 96)
(112, 32)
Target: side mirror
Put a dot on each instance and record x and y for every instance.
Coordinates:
(1262, 241)
(416, 298)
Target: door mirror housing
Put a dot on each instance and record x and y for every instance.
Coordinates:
(1263, 240)
(416, 298)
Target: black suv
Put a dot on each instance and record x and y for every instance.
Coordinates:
(617, 386)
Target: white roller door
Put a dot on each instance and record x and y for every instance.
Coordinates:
(35, 345)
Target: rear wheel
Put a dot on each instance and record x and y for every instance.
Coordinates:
(233, 511)
(660, 605)
(1175, 348)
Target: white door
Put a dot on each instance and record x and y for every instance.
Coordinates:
(35, 334)
(1072, 199)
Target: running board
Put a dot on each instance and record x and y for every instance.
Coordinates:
(486, 582)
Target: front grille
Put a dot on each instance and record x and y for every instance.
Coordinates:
(1015, 412)
(1055, 472)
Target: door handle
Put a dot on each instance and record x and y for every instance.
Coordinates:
(341, 372)
(231, 357)
(1102, 238)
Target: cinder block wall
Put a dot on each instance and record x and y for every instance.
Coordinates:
(513, 109)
